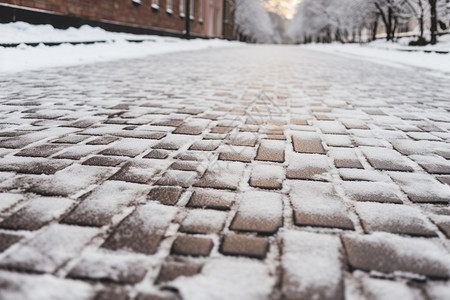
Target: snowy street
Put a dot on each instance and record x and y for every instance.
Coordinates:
(244, 172)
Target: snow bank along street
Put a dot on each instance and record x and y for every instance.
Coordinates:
(258, 172)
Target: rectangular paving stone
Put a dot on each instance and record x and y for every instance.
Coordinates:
(422, 187)
(222, 175)
(70, 139)
(104, 203)
(137, 171)
(192, 127)
(37, 213)
(308, 166)
(244, 245)
(30, 165)
(432, 164)
(317, 204)
(260, 212)
(345, 158)
(311, 266)
(172, 270)
(270, 150)
(244, 139)
(386, 159)
(331, 127)
(62, 183)
(167, 195)
(388, 253)
(267, 176)
(157, 154)
(394, 218)
(128, 147)
(173, 142)
(40, 151)
(103, 161)
(372, 191)
(142, 230)
(50, 249)
(205, 145)
(178, 178)
(214, 199)
(200, 221)
(110, 267)
(237, 153)
(103, 140)
(191, 245)
(307, 142)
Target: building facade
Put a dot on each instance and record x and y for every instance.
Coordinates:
(167, 17)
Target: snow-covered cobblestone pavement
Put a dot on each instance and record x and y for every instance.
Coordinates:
(257, 172)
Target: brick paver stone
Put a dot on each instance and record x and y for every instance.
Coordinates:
(202, 198)
(37, 213)
(311, 274)
(50, 248)
(172, 270)
(271, 151)
(244, 245)
(167, 195)
(267, 176)
(142, 230)
(192, 246)
(111, 267)
(388, 253)
(345, 158)
(422, 187)
(222, 175)
(100, 206)
(372, 191)
(307, 142)
(259, 212)
(203, 221)
(317, 204)
(308, 166)
(386, 159)
(394, 218)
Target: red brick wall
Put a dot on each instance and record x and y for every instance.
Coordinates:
(123, 11)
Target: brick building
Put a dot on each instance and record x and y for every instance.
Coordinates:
(165, 17)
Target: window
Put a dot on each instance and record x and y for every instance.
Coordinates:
(200, 11)
(169, 6)
(182, 4)
(192, 9)
(155, 4)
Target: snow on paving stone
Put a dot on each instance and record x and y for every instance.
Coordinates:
(104, 202)
(259, 212)
(308, 166)
(227, 278)
(71, 180)
(311, 266)
(203, 221)
(51, 248)
(37, 213)
(363, 174)
(394, 218)
(422, 187)
(372, 191)
(389, 253)
(106, 266)
(19, 286)
(317, 204)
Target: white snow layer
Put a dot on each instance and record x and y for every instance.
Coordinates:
(25, 57)
(227, 278)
